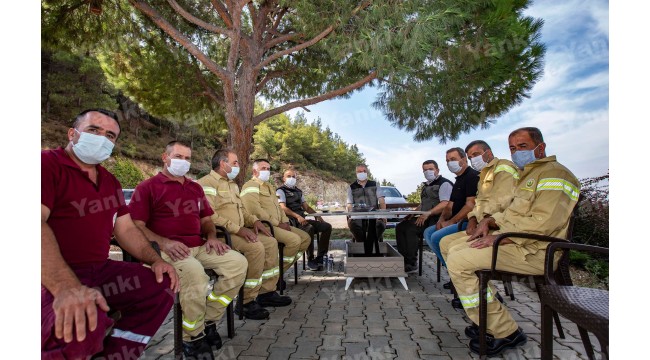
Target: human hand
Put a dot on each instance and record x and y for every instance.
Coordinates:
(302, 220)
(218, 246)
(472, 224)
(482, 230)
(284, 226)
(258, 226)
(176, 250)
(483, 242)
(161, 267)
(421, 220)
(72, 307)
(247, 234)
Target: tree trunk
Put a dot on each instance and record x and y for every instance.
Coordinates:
(239, 139)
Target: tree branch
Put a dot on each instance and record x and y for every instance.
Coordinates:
(280, 40)
(270, 76)
(196, 21)
(316, 99)
(170, 30)
(223, 12)
(299, 47)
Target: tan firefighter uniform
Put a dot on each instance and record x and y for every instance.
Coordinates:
(497, 181)
(229, 212)
(259, 199)
(542, 204)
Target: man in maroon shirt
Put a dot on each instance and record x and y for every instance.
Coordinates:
(172, 210)
(80, 200)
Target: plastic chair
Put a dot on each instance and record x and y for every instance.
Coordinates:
(587, 308)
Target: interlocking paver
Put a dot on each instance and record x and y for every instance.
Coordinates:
(375, 319)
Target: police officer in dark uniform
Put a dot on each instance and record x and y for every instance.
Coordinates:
(295, 207)
(366, 193)
(435, 194)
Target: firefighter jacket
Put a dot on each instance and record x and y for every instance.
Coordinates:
(223, 196)
(495, 188)
(259, 199)
(543, 201)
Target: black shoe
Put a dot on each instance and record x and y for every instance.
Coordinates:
(456, 304)
(313, 265)
(472, 332)
(496, 346)
(253, 311)
(410, 269)
(212, 335)
(198, 348)
(447, 285)
(273, 299)
(281, 285)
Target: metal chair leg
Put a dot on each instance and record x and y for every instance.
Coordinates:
(482, 326)
(240, 303)
(281, 261)
(586, 342)
(438, 267)
(421, 255)
(178, 328)
(547, 333)
(230, 320)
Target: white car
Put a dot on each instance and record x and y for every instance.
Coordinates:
(393, 196)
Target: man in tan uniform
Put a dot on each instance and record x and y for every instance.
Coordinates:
(260, 250)
(542, 204)
(259, 198)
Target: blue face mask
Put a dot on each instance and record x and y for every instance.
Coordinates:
(92, 149)
(233, 172)
(522, 158)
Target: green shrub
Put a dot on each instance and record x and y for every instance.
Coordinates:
(126, 172)
(578, 258)
(592, 224)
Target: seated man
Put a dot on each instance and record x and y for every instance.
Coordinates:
(172, 210)
(261, 250)
(364, 192)
(542, 204)
(294, 205)
(79, 285)
(433, 198)
(258, 196)
(460, 203)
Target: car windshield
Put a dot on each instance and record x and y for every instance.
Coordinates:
(391, 192)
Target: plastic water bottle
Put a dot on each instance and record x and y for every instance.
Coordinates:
(325, 267)
(330, 263)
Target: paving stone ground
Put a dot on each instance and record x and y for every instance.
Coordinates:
(376, 318)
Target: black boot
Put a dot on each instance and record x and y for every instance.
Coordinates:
(198, 348)
(212, 335)
(253, 311)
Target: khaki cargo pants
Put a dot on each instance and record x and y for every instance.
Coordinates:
(263, 271)
(295, 243)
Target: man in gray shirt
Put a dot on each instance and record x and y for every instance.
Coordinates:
(366, 193)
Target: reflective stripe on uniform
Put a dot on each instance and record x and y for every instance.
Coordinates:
(509, 169)
(270, 273)
(288, 258)
(123, 334)
(208, 190)
(251, 283)
(224, 300)
(250, 190)
(559, 184)
(471, 301)
(190, 325)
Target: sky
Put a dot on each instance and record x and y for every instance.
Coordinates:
(569, 104)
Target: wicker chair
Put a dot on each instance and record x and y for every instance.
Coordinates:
(588, 308)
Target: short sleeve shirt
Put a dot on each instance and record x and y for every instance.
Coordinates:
(171, 209)
(466, 185)
(81, 212)
(283, 198)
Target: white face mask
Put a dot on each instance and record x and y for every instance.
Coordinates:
(362, 176)
(234, 171)
(92, 149)
(264, 175)
(430, 175)
(291, 182)
(179, 167)
(454, 166)
(477, 162)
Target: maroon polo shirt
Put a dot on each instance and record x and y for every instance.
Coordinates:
(171, 209)
(81, 212)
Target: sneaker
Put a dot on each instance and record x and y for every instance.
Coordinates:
(410, 269)
(212, 335)
(496, 346)
(273, 299)
(198, 348)
(313, 265)
(253, 311)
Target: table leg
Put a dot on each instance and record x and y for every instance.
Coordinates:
(348, 281)
(403, 281)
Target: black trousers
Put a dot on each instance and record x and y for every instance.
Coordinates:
(313, 227)
(408, 239)
(368, 231)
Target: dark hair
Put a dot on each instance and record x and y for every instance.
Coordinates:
(431, 162)
(77, 119)
(220, 155)
(171, 144)
(483, 144)
(533, 132)
(460, 151)
(257, 161)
